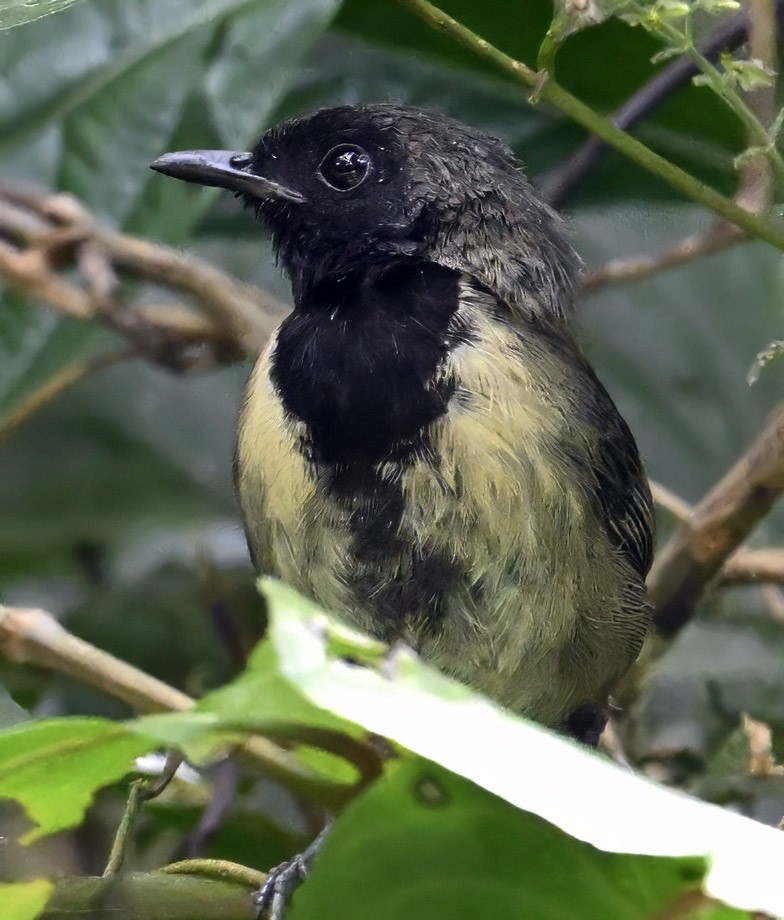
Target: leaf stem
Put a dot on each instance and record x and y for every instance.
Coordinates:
(579, 112)
(125, 829)
(757, 134)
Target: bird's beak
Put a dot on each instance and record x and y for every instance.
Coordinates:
(221, 169)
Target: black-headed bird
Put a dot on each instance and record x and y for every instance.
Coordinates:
(423, 449)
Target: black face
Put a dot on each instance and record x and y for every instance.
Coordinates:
(350, 169)
(351, 186)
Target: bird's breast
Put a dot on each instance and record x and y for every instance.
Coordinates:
(474, 544)
(360, 362)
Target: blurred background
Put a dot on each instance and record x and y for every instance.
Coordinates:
(116, 505)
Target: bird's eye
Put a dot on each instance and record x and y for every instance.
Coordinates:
(344, 167)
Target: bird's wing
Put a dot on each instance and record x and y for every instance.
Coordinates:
(598, 441)
(624, 498)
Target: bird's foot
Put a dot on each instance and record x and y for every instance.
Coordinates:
(282, 881)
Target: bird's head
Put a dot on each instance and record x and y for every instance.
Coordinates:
(346, 186)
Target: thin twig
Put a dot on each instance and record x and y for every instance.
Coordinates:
(57, 384)
(699, 547)
(41, 235)
(561, 183)
(773, 598)
(755, 189)
(219, 870)
(28, 271)
(236, 306)
(668, 500)
(582, 114)
(125, 829)
(744, 566)
(718, 236)
(754, 566)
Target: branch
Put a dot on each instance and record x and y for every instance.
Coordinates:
(755, 189)
(695, 246)
(744, 566)
(754, 566)
(56, 385)
(154, 896)
(40, 235)
(561, 183)
(695, 553)
(579, 112)
(29, 636)
(668, 500)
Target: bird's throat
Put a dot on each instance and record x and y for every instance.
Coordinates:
(361, 360)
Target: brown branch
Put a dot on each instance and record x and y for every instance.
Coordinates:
(744, 566)
(668, 500)
(695, 553)
(41, 236)
(754, 566)
(28, 272)
(754, 191)
(30, 636)
(774, 601)
(718, 236)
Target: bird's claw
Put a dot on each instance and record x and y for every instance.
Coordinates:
(281, 883)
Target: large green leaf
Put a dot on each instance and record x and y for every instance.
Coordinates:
(124, 73)
(54, 768)
(427, 843)
(535, 770)
(35, 345)
(135, 447)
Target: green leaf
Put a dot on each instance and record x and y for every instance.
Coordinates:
(263, 697)
(24, 900)
(18, 12)
(748, 74)
(433, 716)
(137, 448)
(54, 768)
(125, 71)
(425, 842)
(262, 700)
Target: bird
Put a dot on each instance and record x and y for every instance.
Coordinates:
(423, 448)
